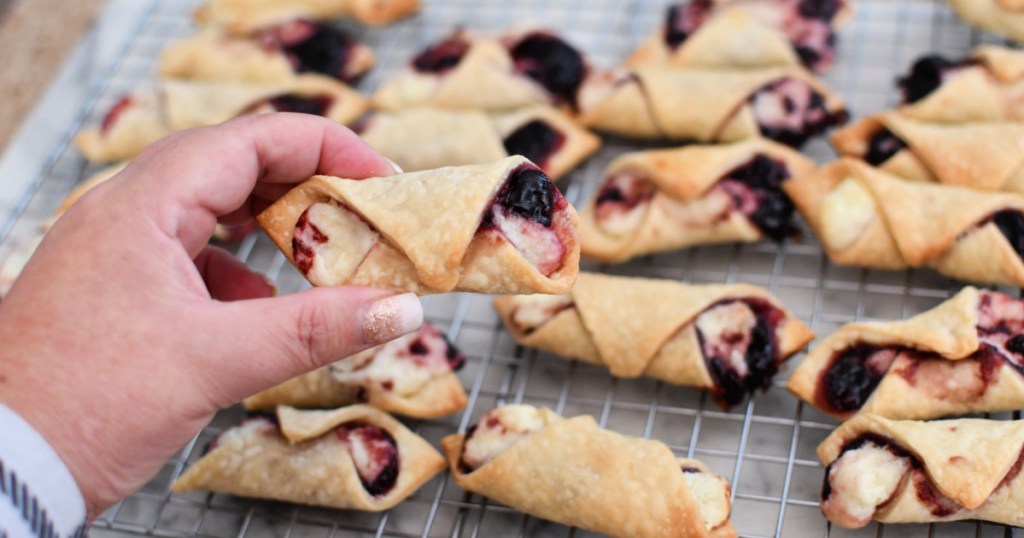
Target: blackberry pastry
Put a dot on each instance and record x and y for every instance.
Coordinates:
(964, 356)
(983, 156)
(517, 69)
(501, 227)
(413, 376)
(355, 458)
(248, 16)
(903, 471)
(425, 138)
(144, 116)
(745, 33)
(663, 200)
(561, 470)
(728, 340)
(1003, 17)
(788, 105)
(272, 55)
(866, 217)
(987, 86)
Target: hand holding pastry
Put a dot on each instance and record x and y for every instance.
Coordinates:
(120, 357)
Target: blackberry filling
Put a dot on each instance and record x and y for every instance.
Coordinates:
(926, 75)
(115, 111)
(536, 141)
(882, 146)
(456, 360)
(683, 19)
(290, 102)
(823, 10)
(1011, 223)
(759, 357)
(305, 237)
(769, 209)
(323, 50)
(530, 194)
(854, 374)
(553, 63)
(790, 111)
(374, 454)
(442, 56)
(1016, 344)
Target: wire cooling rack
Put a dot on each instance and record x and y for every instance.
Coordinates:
(765, 447)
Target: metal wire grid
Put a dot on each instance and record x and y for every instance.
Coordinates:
(766, 447)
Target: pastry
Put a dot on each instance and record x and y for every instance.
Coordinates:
(982, 156)
(145, 116)
(248, 16)
(489, 73)
(729, 340)
(1003, 17)
(560, 469)
(745, 33)
(866, 217)
(425, 138)
(355, 457)
(987, 86)
(501, 227)
(654, 201)
(963, 356)
(785, 104)
(412, 376)
(903, 471)
(273, 55)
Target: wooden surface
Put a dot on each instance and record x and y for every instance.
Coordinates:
(35, 37)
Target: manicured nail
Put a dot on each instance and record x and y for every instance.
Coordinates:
(394, 165)
(392, 317)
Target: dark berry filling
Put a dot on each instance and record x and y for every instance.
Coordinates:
(623, 192)
(761, 354)
(1001, 326)
(823, 10)
(306, 236)
(289, 102)
(374, 454)
(926, 75)
(314, 48)
(756, 189)
(114, 112)
(683, 19)
(790, 111)
(938, 504)
(553, 63)
(853, 375)
(530, 194)
(1011, 224)
(1016, 344)
(442, 56)
(882, 146)
(535, 140)
(456, 360)
(430, 344)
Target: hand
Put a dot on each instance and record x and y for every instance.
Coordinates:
(126, 332)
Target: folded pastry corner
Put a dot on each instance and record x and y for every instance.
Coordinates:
(729, 340)
(144, 116)
(249, 16)
(557, 469)
(274, 54)
(1003, 17)
(867, 217)
(356, 457)
(500, 227)
(745, 33)
(521, 68)
(425, 138)
(986, 86)
(983, 156)
(964, 356)
(663, 200)
(904, 471)
(412, 376)
(785, 104)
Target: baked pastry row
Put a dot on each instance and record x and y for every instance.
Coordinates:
(248, 16)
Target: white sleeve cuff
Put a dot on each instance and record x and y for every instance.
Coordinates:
(38, 495)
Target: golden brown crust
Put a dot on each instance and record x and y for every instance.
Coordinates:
(426, 246)
(966, 461)
(907, 224)
(636, 326)
(683, 177)
(318, 470)
(247, 16)
(1003, 17)
(575, 473)
(685, 104)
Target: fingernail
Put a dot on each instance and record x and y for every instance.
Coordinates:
(392, 317)
(394, 165)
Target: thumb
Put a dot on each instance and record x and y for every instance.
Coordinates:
(264, 342)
